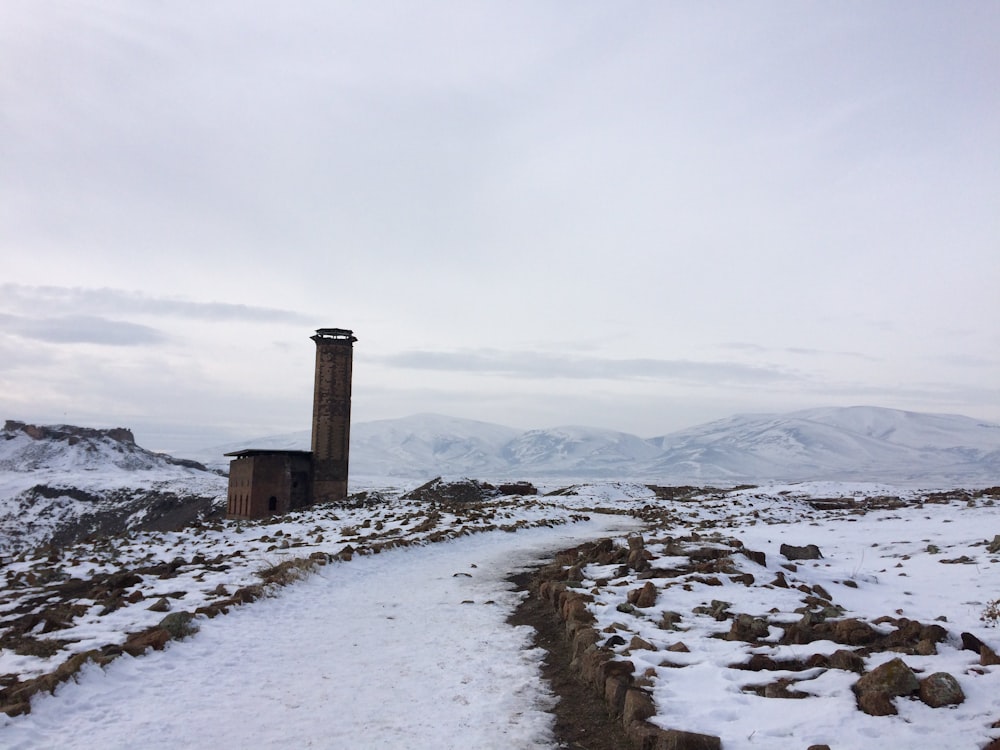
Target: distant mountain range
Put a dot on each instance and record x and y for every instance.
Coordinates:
(861, 443)
(62, 483)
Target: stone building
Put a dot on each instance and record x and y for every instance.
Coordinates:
(269, 482)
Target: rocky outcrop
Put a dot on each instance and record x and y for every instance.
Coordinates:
(69, 433)
(460, 491)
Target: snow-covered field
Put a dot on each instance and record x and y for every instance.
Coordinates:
(406, 649)
(410, 648)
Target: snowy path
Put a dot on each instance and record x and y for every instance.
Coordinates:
(377, 653)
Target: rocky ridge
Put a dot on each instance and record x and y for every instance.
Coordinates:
(60, 484)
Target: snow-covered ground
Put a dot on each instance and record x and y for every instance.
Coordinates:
(410, 647)
(926, 562)
(406, 649)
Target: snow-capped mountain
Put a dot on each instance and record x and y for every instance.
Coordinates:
(60, 483)
(852, 443)
(835, 443)
(577, 451)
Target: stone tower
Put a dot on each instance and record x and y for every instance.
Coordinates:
(331, 426)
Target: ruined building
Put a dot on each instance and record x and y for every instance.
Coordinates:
(266, 482)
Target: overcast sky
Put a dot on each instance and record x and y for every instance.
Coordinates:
(634, 215)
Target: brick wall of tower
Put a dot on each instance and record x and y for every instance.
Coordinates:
(331, 428)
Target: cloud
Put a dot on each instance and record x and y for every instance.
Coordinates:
(81, 329)
(529, 364)
(743, 346)
(122, 302)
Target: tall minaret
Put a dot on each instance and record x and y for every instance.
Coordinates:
(331, 428)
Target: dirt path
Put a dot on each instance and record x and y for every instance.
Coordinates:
(582, 718)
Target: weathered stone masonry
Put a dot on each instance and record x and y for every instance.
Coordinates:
(270, 482)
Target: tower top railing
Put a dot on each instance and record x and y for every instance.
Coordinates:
(335, 334)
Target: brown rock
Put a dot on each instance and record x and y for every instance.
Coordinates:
(854, 632)
(137, 644)
(642, 734)
(876, 704)
(934, 633)
(987, 656)
(781, 689)
(637, 706)
(589, 662)
(575, 608)
(847, 660)
(178, 624)
(614, 668)
(674, 739)
(615, 688)
(640, 643)
(760, 663)
(893, 678)
(585, 638)
(808, 552)
(941, 689)
(747, 628)
(876, 689)
(822, 592)
(644, 597)
(669, 620)
(161, 605)
(971, 643)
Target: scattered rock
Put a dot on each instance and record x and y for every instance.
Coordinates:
(644, 597)
(717, 609)
(808, 552)
(878, 687)
(674, 739)
(669, 620)
(161, 605)
(638, 643)
(941, 689)
(876, 704)
(179, 624)
(137, 644)
(971, 643)
(780, 581)
(748, 628)
(847, 660)
(780, 689)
